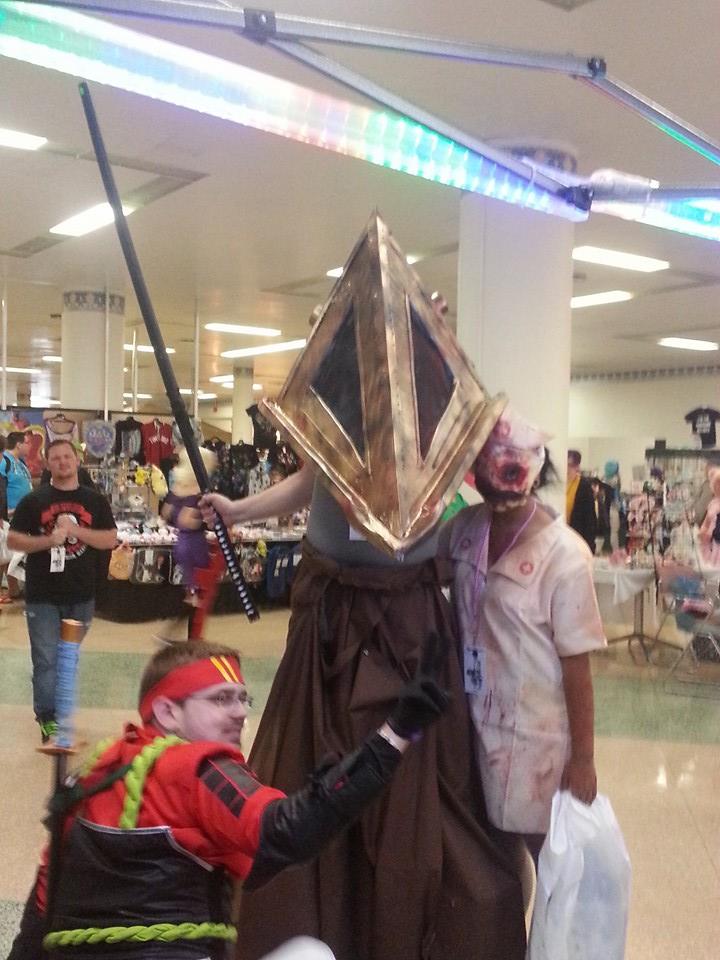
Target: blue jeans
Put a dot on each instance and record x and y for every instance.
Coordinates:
(43, 620)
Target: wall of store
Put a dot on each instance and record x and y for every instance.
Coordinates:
(618, 420)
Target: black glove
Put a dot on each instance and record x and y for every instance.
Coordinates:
(422, 701)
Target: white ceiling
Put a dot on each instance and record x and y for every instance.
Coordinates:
(250, 238)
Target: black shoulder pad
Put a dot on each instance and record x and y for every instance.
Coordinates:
(230, 781)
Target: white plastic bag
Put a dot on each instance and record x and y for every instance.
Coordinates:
(16, 567)
(5, 554)
(583, 887)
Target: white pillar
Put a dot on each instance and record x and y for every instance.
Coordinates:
(242, 398)
(82, 377)
(514, 290)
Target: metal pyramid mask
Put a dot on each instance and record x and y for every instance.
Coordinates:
(383, 400)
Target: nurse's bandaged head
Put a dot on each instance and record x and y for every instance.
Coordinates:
(508, 465)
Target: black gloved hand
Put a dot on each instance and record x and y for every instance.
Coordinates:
(422, 701)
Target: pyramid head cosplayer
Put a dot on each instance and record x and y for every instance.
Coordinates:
(383, 400)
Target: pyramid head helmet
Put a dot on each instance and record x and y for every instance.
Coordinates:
(383, 400)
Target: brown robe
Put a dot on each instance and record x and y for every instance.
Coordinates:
(418, 877)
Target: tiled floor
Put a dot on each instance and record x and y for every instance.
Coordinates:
(657, 749)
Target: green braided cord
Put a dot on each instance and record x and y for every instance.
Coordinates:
(162, 932)
(97, 751)
(136, 776)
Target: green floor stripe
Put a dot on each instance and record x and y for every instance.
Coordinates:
(112, 679)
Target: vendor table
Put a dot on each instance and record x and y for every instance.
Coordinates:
(628, 583)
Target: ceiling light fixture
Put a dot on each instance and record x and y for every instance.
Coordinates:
(186, 392)
(20, 141)
(257, 386)
(52, 359)
(99, 51)
(334, 273)
(144, 348)
(88, 220)
(597, 299)
(207, 396)
(685, 343)
(224, 378)
(241, 328)
(21, 370)
(268, 348)
(140, 396)
(616, 258)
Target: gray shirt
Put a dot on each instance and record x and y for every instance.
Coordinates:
(329, 532)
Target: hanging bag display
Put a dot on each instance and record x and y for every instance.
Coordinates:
(583, 884)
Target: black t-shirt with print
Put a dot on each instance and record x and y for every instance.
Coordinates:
(702, 420)
(36, 514)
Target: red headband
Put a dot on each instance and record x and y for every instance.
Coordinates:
(189, 678)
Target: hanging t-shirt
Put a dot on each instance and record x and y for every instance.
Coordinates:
(37, 514)
(157, 441)
(702, 420)
(264, 434)
(128, 439)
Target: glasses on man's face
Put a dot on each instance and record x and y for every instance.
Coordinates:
(226, 699)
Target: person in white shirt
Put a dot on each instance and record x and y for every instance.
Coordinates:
(528, 615)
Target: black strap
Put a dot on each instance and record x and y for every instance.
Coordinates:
(70, 794)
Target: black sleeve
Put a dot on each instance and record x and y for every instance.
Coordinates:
(296, 828)
(26, 518)
(28, 943)
(102, 513)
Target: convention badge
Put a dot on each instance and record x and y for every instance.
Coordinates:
(474, 669)
(57, 559)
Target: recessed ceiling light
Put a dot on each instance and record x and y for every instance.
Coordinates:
(269, 348)
(241, 328)
(21, 370)
(257, 386)
(20, 141)
(186, 391)
(225, 378)
(88, 220)
(207, 396)
(685, 343)
(144, 348)
(140, 396)
(334, 273)
(52, 359)
(616, 258)
(412, 258)
(596, 299)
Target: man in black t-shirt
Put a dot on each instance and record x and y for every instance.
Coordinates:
(61, 527)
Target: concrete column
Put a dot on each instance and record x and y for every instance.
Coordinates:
(82, 377)
(242, 398)
(514, 290)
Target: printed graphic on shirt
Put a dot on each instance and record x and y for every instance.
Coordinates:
(77, 514)
(231, 783)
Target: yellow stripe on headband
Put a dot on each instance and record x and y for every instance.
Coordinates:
(221, 669)
(230, 669)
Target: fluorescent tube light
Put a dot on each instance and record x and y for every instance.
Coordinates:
(269, 348)
(52, 359)
(186, 391)
(597, 299)
(685, 343)
(88, 220)
(257, 386)
(20, 141)
(100, 51)
(140, 396)
(225, 378)
(21, 370)
(207, 396)
(144, 348)
(241, 328)
(616, 258)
